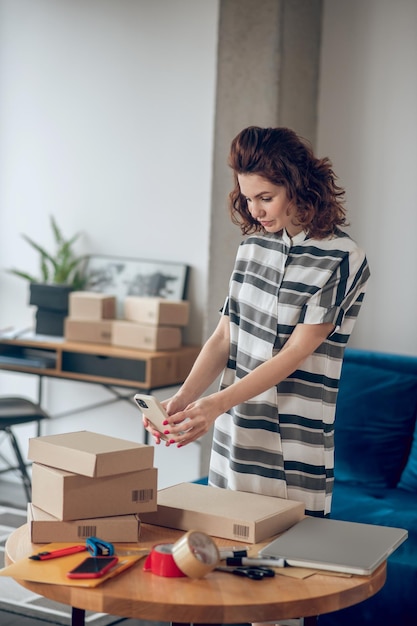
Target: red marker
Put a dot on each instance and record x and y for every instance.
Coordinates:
(43, 556)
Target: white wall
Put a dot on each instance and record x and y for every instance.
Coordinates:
(368, 126)
(106, 122)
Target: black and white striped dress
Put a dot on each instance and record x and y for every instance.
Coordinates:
(281, 443)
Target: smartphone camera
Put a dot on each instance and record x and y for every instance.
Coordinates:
(142, 404)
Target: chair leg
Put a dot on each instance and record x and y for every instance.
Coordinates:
(22, 467)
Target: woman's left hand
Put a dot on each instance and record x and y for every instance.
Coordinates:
(194, 421)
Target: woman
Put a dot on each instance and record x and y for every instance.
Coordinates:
(295, 293)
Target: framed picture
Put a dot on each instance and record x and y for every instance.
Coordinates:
(123, 277)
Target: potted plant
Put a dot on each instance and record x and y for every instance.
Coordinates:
(60, 273)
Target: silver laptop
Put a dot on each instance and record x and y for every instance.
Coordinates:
(337, 546)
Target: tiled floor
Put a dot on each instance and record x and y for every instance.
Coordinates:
(12, 494)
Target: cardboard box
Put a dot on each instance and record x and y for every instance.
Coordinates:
(89, 305)
(156, 311)
(69, 496)
(90, 454)
(44, 528)
(224, 513)
(145, 337)
(93, 331)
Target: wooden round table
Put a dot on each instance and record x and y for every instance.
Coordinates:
(219, 598)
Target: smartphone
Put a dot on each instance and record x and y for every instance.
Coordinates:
(153, 411)
(93, 567)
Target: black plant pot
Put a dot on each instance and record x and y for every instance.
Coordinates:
(52, 303)
(50, 322)
(54, 297)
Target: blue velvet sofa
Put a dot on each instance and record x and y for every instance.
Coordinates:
(376, 474)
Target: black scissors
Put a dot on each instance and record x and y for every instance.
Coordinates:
(256, 572)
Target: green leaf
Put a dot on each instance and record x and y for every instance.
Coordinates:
(62, 267)
(25, 275)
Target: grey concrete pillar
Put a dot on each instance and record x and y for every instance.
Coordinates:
(268, 68)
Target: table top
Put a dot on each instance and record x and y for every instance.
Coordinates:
(216, 598)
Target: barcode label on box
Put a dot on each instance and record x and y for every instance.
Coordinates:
(87, 531)
(142, 495)
(239, 530)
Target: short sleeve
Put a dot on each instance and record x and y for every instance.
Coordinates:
(344, 288)
(225, 308)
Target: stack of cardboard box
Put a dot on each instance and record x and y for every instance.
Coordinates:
(147, 324)
(85, 484)
(90, 317)
(151, 323)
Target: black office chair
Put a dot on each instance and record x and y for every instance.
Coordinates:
(16, 410)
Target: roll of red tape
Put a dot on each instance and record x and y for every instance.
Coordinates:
(160, 561)
(194, 555)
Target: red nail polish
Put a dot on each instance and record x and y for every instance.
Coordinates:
(172, 441)
(165, 422)
(166, 432)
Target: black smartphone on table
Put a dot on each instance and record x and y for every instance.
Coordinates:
(93, 567)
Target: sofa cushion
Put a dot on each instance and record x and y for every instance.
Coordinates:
(375, 417)
(384, 507)
(408, 479)
(396, 603)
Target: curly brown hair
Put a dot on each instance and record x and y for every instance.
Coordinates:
(284, 158)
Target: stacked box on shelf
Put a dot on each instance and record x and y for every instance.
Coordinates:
(82, 479)
(151, 323)
(90, 318)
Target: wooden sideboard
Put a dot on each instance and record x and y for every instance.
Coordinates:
(96, 363)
